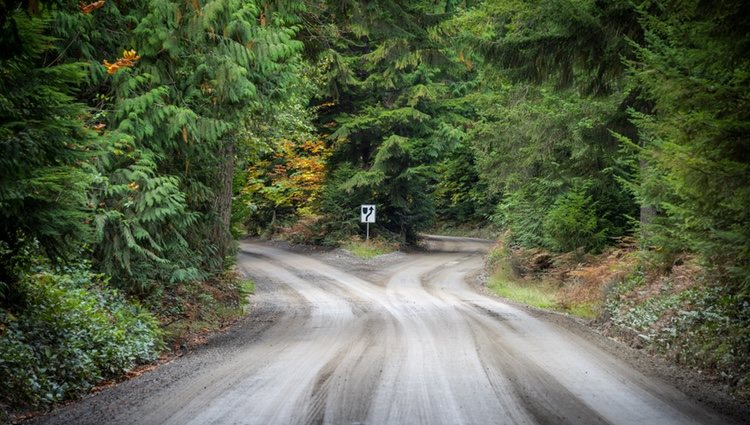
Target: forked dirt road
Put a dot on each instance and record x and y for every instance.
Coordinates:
(406, 342)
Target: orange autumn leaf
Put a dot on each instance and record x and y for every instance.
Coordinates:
(466, 61)
(279, 170)
(88, 8)
(128, 59)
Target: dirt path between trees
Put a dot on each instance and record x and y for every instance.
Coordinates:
(403, 339)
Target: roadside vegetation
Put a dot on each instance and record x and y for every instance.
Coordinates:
(606, 141)
(537, 294)
(681, 314)
(74, 332)
(195, 309)
(686, 316)
(572, 283)
(370, 249)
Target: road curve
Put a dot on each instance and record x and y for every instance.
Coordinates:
(411, 343)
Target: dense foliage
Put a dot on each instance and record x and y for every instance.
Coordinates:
(694, 69)
(388, 106)
(44, 147)
(73, 332)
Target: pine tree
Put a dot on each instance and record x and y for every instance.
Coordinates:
(44, 147)
(693, 66)
(388, 87)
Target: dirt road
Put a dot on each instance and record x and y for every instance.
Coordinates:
(407, 341)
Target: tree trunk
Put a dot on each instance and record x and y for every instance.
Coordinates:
(221, 235)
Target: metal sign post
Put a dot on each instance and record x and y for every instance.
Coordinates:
(367, 216)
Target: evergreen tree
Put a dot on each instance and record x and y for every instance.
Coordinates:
(178, 113)
(462, 197)
(387, 94)
(578, 44)
(536, 145)
(44, 147)
(553, 88)
(693, 66)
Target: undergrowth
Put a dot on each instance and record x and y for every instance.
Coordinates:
(193, 309)
(560, 283)
(69, 332)
(688, 317)
(684, 313)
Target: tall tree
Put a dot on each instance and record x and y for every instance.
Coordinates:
(553, 87)
(202, 68)
(387, 92)
(44, 146)
(694, 67)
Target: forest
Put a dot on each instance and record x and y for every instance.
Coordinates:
(140, 138)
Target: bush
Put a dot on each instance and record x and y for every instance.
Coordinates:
(71, 333)
(572, 224)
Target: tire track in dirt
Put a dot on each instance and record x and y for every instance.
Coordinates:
(560, 377)
(417, 345)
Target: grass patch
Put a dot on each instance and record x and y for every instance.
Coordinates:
(247, 287)
(540, 294)
(586, 311)
(371, 249)
(533, 294)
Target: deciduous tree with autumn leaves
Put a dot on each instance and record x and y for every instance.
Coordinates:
(280, 186)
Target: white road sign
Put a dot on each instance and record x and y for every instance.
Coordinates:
(367, 214)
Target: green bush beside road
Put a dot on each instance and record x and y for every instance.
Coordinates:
(73, 332)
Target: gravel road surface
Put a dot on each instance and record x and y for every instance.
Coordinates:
(407, 341)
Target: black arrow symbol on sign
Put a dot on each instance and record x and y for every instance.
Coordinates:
(367, 213)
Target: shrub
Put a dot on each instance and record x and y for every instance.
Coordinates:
(71, 332)
(572, 224)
